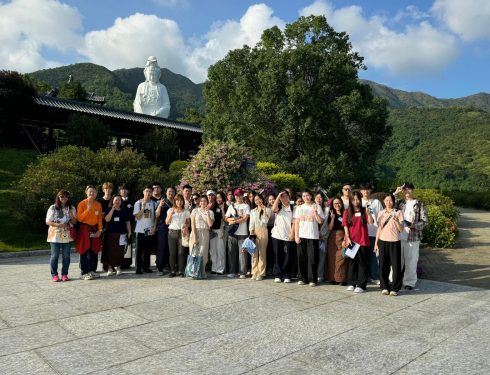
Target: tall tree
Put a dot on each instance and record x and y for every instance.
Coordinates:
(296, 100)
(15, 100)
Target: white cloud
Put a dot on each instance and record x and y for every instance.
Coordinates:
(419, 50)
(411, 12)
(470, 18)
(229, 35)
(131, 40)
(29, 26)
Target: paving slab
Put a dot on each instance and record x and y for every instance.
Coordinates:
(152, 325)
(24, 363)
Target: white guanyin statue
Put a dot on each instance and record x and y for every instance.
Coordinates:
(151, 96)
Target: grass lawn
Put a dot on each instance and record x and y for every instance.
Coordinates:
(16, 233)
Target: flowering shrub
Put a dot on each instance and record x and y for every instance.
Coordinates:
(288, 180)
(267, 168)
(220, 166)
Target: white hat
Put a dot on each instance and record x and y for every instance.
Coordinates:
(211, 192)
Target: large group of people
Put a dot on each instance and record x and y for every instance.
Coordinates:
(349, 239)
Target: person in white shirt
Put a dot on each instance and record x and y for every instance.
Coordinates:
(282, 237)
(202, 219)
(144, 213)
(237, 213)
(374, 207)
(259, 217)
(307, 218)
(178, 220)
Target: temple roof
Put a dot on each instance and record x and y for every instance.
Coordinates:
(75, 106)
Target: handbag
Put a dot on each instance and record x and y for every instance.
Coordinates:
(249, 245)
(194, 267)
(232, 228)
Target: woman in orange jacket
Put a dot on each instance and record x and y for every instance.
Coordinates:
(89, 214)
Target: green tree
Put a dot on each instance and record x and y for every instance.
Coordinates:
(160, 146)
(296, 100)
(15, 99)
(72, 91)
(86, 131)
(192, 116)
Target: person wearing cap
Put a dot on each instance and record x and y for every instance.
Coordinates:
(216, 243)
(415, 219)
(238, 213)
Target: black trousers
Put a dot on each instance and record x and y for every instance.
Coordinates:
(357, 272)
(308, 257)
(282, 256)
(162, 248)
(88, 262)
(390, 256)
(143, 251)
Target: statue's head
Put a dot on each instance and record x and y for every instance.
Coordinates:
(152, 70)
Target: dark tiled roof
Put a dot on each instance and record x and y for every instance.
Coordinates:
(71, 105)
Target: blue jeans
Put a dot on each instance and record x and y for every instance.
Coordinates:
(56, 247)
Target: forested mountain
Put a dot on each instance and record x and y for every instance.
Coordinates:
(446, 148)
(398, 99)
(119, 86)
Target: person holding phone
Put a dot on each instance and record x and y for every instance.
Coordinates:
(144, 213)
(308, 217)
(89, 244)
(355, 221)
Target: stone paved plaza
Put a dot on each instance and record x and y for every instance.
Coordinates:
(155, 325)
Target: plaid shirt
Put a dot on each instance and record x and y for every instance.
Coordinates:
(419, 222)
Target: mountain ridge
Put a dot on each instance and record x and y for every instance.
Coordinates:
(119, 88)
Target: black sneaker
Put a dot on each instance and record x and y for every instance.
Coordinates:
(148, 271)
(172, 274)
(408, 287)
(139, 272)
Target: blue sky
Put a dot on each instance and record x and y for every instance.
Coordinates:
(441, 47)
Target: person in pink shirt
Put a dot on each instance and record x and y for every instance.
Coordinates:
(355, 221)
(388, 246)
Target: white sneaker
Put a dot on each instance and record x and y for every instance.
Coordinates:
(253, 278)
(243, 277)
(87, 276)
(287, 281)
(119, 271)
(110, 273)
(231, 275)
(393, 293)
(301, 282)
(259, 278)
(350, 288)
(278, 280)
(385, 292)
(312, 284)
(95, 275)
(359, 290)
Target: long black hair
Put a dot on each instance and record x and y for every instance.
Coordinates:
(350, 209)
(332, 208)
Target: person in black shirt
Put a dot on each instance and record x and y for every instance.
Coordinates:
(128, 205)
(106, 203)
(162, 230)
(117, 234)
(217, 241)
